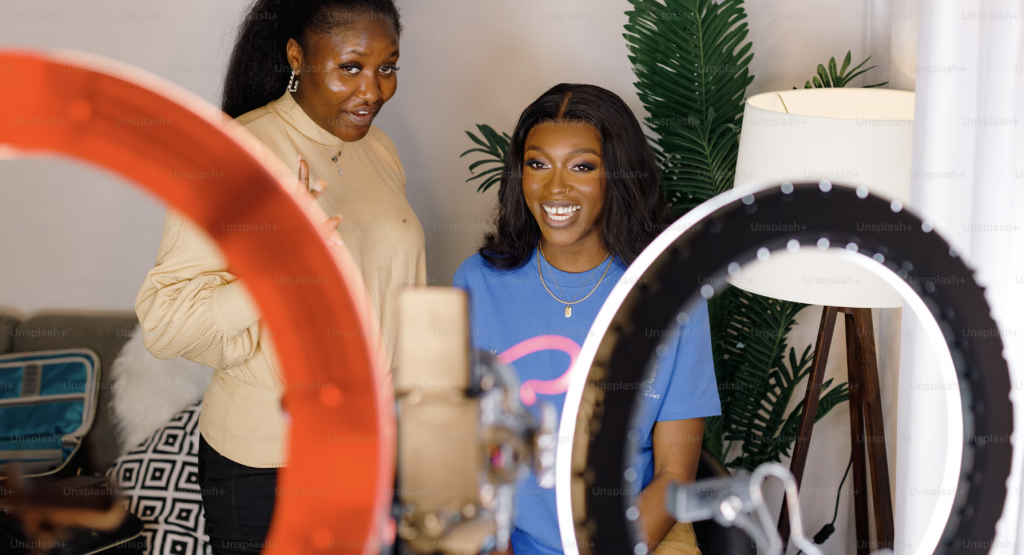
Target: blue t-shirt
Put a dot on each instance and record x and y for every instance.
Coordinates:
(512, 315)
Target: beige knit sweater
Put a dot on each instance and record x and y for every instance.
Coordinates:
(191, 307)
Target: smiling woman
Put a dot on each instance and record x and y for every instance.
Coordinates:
(603, 154)
(579, 200)
(307, 79)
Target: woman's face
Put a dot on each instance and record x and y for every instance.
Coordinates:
(563, 182)
(346, 76)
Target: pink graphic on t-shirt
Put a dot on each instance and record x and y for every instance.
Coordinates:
(530, 388)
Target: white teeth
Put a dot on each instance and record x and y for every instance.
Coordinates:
(560, 213)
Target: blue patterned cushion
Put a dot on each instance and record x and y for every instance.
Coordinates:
(159, 481)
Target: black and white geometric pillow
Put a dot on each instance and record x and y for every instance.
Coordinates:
(159, 481)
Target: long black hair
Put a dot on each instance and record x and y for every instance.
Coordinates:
(635, 210)
(258, 71)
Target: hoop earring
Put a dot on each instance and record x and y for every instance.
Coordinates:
(293, 83)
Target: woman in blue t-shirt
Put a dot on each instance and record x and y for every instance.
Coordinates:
(579, 200)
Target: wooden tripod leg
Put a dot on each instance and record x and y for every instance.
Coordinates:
(856, 404)
(803, 439)
(878, 463)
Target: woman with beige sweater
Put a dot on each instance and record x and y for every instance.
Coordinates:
(307, 79)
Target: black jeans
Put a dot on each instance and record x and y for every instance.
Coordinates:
(238, 502)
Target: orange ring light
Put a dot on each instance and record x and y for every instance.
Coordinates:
(154, 134)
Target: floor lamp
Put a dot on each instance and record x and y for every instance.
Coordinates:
(857, 137)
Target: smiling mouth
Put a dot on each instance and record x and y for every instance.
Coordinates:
(362, 116)
(561, 213)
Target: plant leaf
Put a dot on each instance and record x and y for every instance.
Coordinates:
(691, 59)
(838, 78)
(494, 147)
(824, 75)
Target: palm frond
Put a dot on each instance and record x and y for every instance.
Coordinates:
(751, 342)
(756, 382)
(836, 78)
(691, 60)
(493, 146)
(774, 433)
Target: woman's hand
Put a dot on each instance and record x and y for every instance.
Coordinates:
(331, 224)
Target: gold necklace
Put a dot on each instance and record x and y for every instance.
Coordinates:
(568, 304)
(550, 271)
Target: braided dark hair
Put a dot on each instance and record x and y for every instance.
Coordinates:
(258, 71)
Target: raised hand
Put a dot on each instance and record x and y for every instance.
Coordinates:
(331, 224)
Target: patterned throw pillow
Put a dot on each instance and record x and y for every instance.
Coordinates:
(159, 481)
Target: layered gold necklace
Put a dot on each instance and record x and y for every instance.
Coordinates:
(568, 304)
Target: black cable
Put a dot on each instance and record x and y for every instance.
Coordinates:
(830, 528)
(827, 530)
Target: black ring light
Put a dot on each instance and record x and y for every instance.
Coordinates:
(839, 214)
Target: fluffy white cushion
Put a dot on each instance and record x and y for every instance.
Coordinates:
(148, 391)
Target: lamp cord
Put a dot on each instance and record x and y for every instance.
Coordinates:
(827, 530)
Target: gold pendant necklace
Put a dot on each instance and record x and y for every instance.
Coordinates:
(568, 304)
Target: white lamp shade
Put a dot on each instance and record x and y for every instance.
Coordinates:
(856, 137)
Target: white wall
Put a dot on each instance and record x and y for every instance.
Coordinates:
(79, 238)
(75, 237)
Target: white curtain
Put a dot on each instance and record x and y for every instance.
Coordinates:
(968, 180)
